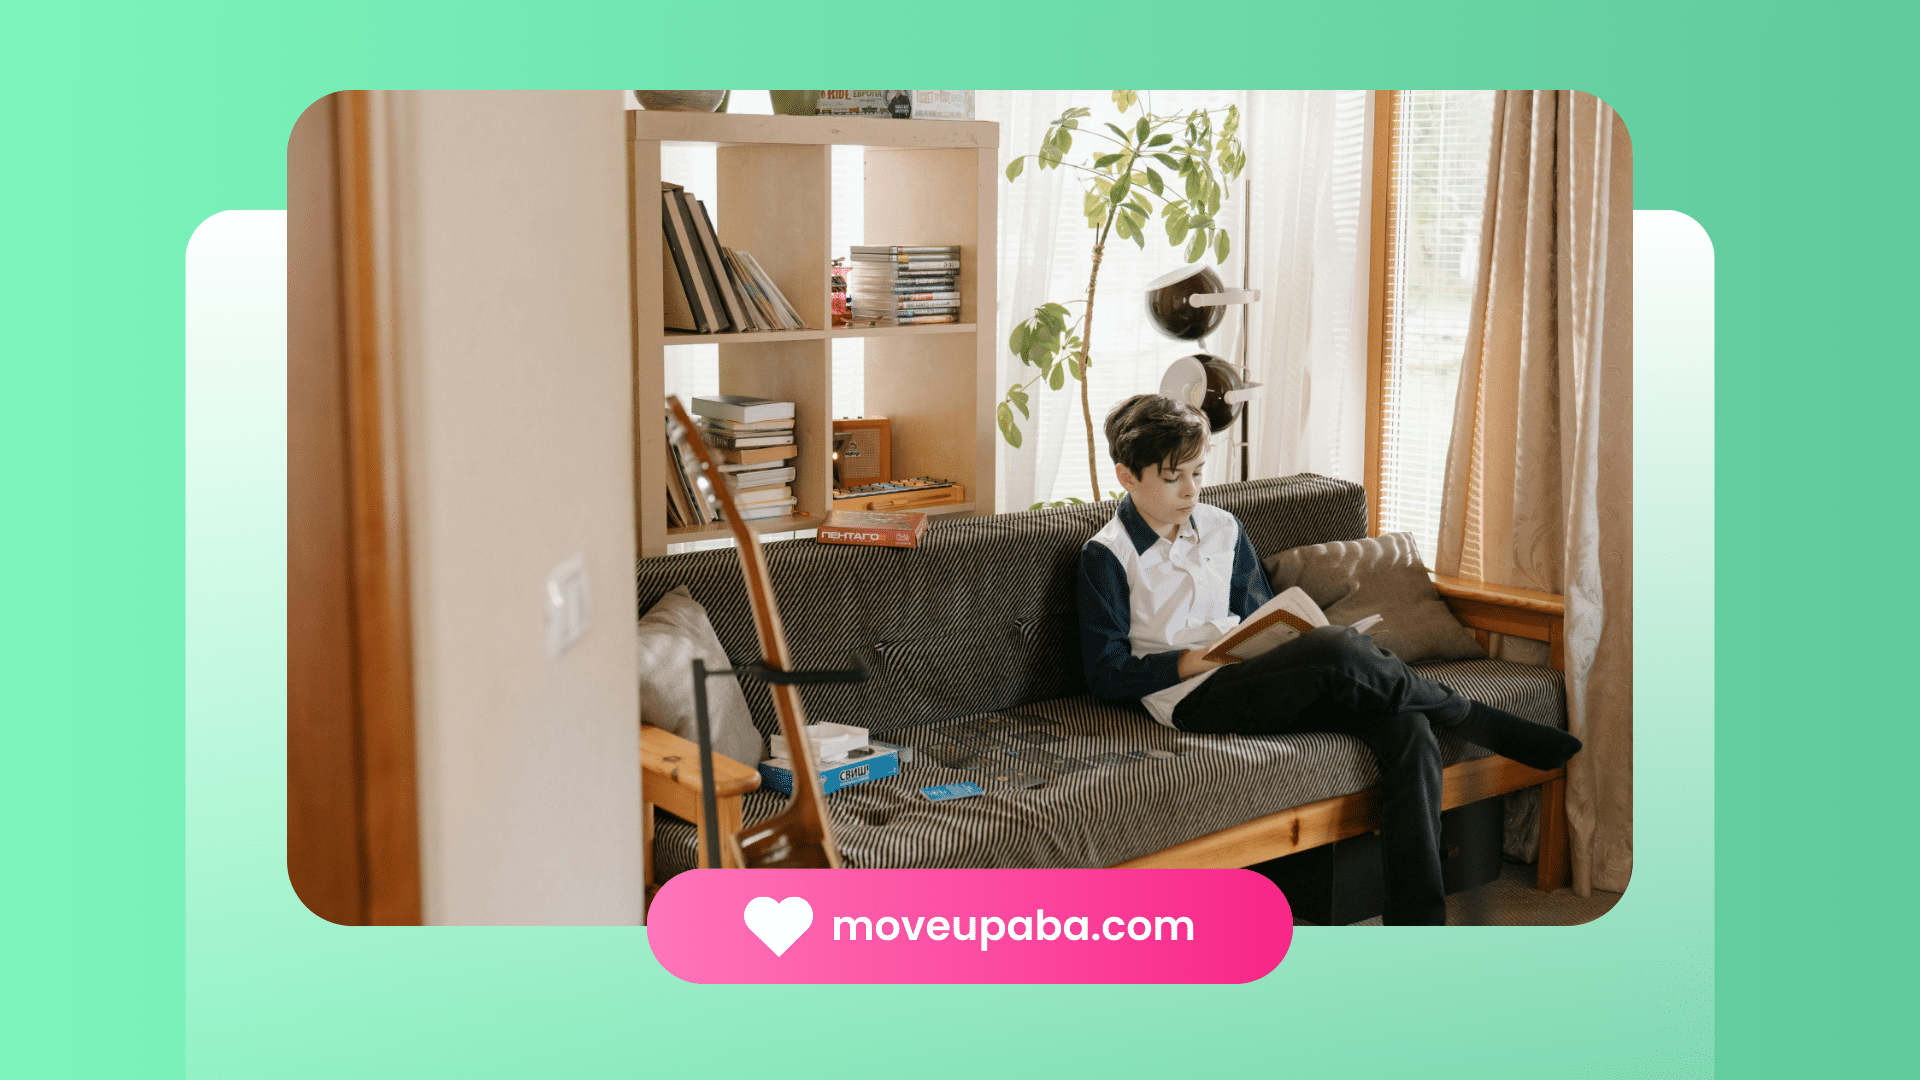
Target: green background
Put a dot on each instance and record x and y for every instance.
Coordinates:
(151, 931)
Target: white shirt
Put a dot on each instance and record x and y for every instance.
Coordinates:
(1179, 594)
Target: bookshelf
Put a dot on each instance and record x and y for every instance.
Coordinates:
(927, 182)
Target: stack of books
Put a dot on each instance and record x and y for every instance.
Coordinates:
(899, 104)
(712, 289)
(902, 286)
(751, 440)
(688, 504)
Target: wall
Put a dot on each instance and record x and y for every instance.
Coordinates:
(511, 320)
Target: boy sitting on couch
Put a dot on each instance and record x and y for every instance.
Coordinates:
(1170, 575)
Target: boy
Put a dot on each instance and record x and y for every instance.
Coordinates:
(1170, 575)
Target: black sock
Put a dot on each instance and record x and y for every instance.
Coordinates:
(1536, 745)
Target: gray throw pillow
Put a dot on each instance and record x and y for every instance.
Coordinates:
(1383, 575)
(671, 635)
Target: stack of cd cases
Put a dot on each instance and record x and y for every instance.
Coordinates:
(903, 286)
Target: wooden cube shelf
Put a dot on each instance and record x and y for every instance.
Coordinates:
(927, 182)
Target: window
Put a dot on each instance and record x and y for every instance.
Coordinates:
(1430, 175)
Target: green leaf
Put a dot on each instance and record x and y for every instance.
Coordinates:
(1076, 502)
(1070, 122)
(1105, 160)
(1074, 369)
(1019, 398)
(1153, 181)
(1077, 111)
(1008, 430)
(1094, 203)
(1063, 138)
(1221, 246)
(1049, 157)
(1197, 246)
(1016, 167)
(1119, 191)
(1056, 310)
(1168, 160)
(1058, 378)
(1140, 205)
(1125, 99)
(1161, 139)
(1142, 129)
(1017, 341)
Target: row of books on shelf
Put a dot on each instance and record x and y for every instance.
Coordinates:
(712, 289)
(751, 442)
(903, 286)
(898, 104)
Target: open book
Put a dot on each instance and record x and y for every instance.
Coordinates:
(1278, 621)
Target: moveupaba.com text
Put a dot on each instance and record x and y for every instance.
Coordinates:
(988, 929)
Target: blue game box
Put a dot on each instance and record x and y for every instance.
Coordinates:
(777, 773)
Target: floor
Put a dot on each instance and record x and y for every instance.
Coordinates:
(1513, 901)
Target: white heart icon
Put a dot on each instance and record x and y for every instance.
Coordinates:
(780, 924)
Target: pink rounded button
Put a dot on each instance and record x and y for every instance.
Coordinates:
(969, 926)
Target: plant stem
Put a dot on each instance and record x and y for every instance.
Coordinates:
(1086, 352)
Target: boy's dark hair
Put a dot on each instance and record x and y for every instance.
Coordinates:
(1148, 429)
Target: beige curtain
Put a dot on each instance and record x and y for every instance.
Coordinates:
(1539, 487)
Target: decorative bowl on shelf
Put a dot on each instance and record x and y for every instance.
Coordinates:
(794, 102)
(680, 100)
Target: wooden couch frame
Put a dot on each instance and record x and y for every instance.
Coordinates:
(670, 769)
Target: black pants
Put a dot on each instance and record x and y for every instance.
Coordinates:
(1334, 679)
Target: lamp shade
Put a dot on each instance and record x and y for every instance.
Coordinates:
(1167, 302)
(1209, 384)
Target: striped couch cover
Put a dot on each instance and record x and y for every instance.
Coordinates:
(979, 620)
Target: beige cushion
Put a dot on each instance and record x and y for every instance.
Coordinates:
(671, 635)
(1383, 575)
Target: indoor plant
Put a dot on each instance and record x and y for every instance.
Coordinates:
(1180, 160)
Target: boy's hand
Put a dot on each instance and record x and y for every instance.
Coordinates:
(1191, 664)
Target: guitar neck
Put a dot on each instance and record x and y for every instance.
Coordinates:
(802, 835)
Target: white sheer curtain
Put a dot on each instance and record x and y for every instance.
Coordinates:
(1307, 167)
(1306, 177)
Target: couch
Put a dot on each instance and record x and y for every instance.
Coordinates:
(980, 621)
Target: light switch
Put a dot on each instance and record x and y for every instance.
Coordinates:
(568, 604)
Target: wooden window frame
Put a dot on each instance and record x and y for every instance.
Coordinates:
(1386, 121)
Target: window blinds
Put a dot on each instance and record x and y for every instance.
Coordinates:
(1435, 190)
